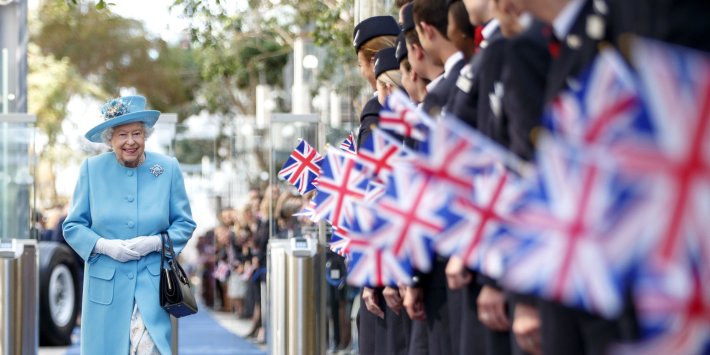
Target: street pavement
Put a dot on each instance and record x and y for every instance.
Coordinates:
(206, 332)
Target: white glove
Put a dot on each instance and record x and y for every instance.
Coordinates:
(116, 249)
(145, 244)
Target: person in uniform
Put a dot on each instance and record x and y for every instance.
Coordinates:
(431, 23)
(464, 97)
(577, 29)
(422, 63)
(369, 37)
(527, 59)
(124, 199)
(389, 79)
(413, 84)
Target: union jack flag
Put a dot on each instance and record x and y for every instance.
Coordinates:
(403, 118)
(349, 144)
(582, 227)
(415, 212)
(671, 295)
(372, 262)
(676, 87)
(340, 242)
(341, 183)
(484, 216)
(673, 306)
(379, 153)
(456, 154)
(302, 167)
(375, 190)
(606, 109)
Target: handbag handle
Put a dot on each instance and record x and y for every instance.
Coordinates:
(172, 263)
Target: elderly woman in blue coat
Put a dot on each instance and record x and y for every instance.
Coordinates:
(122, 202)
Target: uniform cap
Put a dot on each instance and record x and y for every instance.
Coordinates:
(386, 60)
(372, 27)
(401, 51)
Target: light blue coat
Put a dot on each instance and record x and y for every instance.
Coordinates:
(116, 202)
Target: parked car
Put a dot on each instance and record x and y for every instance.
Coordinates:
(60, 285)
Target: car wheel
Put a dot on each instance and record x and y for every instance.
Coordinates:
(59, 294)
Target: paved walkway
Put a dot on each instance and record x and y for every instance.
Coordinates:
(204, 333)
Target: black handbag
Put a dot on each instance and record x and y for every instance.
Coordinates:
(175, 291)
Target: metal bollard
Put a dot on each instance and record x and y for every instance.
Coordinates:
(296, 291)
(19, 297)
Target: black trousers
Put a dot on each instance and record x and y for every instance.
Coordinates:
(398, 331)
(472, 337)
(418, 338)
(372, 330)
(437, 309)
(570, 331)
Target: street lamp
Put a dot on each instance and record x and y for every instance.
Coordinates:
(310, 61)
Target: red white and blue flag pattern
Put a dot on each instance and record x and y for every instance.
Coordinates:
(302, 167)
(401, 117)
(619, 198)
(349, 144)
(341, 184)
(372, 261)
(576, 221)
(672, 293)
(380, 152)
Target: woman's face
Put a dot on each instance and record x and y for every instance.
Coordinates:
(366, 69)
(128, 142)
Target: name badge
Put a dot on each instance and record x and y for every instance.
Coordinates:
(463, 83)
(495, 99)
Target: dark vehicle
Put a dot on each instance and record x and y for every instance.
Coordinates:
(60, 286)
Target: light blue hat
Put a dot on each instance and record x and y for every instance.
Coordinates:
(120, 111)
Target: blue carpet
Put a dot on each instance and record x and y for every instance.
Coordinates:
(200, 334)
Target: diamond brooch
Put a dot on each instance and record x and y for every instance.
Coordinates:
(157, 170)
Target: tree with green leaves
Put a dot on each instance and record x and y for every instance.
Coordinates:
(88, 51)
(115, 52)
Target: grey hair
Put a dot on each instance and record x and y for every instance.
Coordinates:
(108, 133)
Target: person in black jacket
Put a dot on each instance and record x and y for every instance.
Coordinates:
(422, 62)
(369, 37)
(431, 23)
(527, 60)
(577, 29)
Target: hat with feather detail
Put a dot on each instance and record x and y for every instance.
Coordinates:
(120, 111)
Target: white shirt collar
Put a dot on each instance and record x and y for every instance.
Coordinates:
(565, 19)
(489, 28)
(451, 61)
(433, 83)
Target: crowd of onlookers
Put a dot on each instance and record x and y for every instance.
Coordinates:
(232, 255)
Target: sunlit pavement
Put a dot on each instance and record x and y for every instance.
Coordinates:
(206, 332)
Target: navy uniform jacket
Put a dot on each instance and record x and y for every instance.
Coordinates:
(370, 116)
(489, 118)
(683, 22)
(436, 99)
(527, 61)
(463, 99)
(577, 52)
